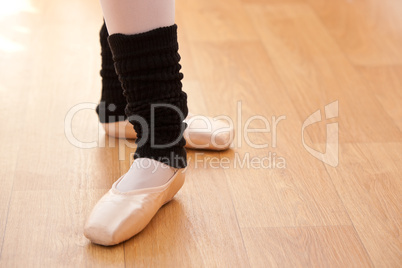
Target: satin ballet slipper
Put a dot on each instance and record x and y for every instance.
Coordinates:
(118, 216)
(202, 132)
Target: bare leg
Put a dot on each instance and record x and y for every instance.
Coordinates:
(137, 16)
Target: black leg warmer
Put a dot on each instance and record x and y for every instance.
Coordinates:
(112, 104)
(149, 71)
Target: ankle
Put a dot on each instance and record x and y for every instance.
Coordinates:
(145, 173)
(120, 129)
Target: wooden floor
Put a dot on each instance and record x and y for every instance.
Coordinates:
(240, 58)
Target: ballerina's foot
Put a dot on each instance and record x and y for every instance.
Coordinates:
(131, 203)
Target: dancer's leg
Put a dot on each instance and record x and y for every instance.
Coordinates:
(137, 16)
(112, 103)
(134, 16)
(143, 40)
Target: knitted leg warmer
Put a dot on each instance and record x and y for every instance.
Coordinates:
(112, 104)
(148, 68)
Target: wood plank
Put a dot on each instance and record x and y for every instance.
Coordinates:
(9, 150)
(45, 228)
(296, 195)
(290, 54)
(317, 73)
(15, 60)
(335, 246)
(185, 50)
(47, 144)
(215, 20)
(369, 184)
(386, 79)
(368, 32)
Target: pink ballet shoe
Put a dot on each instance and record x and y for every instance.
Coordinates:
(202, 132)
(118, 216)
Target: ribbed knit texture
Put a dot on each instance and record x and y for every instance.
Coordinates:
(112, 104)
(149, 70)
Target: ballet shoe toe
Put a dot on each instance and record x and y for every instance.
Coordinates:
(118, 216)
(206, 133)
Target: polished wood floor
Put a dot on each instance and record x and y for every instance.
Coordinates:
(241, 58)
